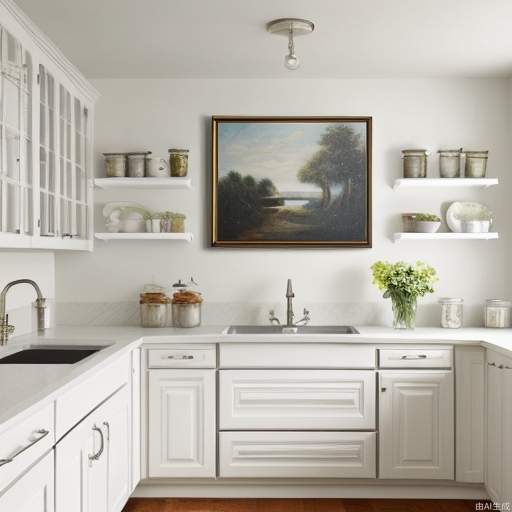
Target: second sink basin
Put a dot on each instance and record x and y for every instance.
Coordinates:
(302, 329)
(57, 354)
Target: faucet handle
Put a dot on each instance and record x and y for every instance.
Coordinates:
(307, 316)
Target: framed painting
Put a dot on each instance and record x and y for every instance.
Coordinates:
(291, 181)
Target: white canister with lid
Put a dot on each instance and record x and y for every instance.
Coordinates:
(497, 313)
(451, 312)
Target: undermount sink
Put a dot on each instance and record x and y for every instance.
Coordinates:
(301, 329)
(51, 354)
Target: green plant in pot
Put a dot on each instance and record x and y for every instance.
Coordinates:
(426, 223)
(403, 283)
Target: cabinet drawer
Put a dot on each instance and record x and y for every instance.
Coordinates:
(176, 357)
(296, 355)
(296, 399)
(415, 358)
(297, 454)
(22, 444)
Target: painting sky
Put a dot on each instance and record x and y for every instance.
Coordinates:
(271, 150)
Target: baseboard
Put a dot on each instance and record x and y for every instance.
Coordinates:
(305, 489)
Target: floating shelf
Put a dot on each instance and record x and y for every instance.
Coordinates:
(188, 237)
(143, 183)
(444, 182)
(445, 236)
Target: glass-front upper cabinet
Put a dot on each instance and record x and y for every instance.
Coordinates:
(16, 135)
(64, 162)
(46, 118)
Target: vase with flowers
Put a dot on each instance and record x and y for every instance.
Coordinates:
(403, 283)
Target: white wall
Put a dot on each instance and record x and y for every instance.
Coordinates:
(35, 265)
(158, 114)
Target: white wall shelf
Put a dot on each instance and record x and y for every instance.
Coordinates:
(444, 236)
(444, 182)
(143, 183)
(188, 237)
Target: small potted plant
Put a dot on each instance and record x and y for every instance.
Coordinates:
(426, 223)
(178, 223)
(156, 219)
(166, 221)
(403, 283)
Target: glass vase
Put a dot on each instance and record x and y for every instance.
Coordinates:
(404, 312)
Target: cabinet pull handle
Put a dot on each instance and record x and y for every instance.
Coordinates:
(419, 356)
(491, 364)
(181, 358)
(107, 426)
(383, 389)
(97, 455)
(42, 434)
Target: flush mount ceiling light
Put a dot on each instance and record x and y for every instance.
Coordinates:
(290, 27)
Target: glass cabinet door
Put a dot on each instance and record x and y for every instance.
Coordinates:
(16, 172)
(47, 157)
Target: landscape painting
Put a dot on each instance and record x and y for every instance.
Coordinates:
(291, 181)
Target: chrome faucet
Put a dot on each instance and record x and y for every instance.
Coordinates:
(5, 329)
(289, 311)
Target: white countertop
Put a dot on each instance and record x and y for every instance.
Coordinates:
(25, 387)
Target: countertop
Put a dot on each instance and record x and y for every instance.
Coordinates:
(23, 388)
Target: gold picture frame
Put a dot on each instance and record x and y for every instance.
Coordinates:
(291, 181)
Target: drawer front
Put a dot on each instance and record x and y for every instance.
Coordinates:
(22, 444)
(297, 454)
(182, 357)
(296, 355)
(415, 358)
(296, 399)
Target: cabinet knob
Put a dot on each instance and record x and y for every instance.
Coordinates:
(383, 389)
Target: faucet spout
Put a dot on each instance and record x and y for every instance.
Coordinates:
(289, 290)
(5, 329)
(289, 304)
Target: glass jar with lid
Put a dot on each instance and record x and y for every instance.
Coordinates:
(497, 313)
(178, 162)
(415, 163)
(451, 312)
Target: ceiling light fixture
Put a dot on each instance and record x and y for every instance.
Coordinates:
(290, 27)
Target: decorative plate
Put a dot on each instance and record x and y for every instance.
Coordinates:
(460, 211)
(124, 217)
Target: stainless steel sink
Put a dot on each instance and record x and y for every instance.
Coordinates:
(51, 354)
(302, 329)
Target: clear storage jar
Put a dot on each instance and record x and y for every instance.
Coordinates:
(476, 164)
(178, 162)
(449, 163)
(451, 312)
(415, 163)
(115, 165)
(497, 313)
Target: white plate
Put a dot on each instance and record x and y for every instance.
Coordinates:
(463, 211)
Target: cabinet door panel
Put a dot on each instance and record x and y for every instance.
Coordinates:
(182, 423)
(470, 413)
(297, 399)
(34, 491)
(115, 414)
(416, 425)
(81, 483)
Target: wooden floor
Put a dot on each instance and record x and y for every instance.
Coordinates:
(296, 505)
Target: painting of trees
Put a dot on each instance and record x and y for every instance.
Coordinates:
(294, 181)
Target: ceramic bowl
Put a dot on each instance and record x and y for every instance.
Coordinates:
(465, 211)
(426, 226)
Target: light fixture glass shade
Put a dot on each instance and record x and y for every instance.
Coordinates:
(291, 61)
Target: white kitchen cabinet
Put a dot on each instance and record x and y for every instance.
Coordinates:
(296, 399)
(416, 424)
(46, 110)
(33, 491)
(470, 413)
(498, 475)
(181, 431)
(93, 461)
